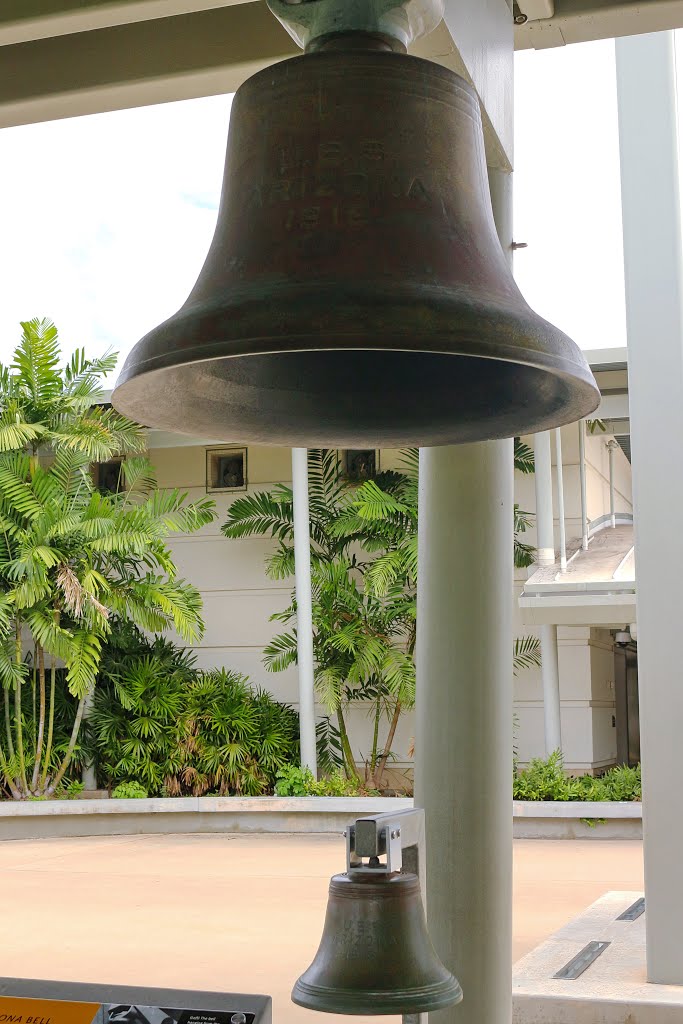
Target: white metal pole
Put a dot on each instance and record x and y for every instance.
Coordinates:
(464, 708)
(550, 674)
(650, 190)
(560, 501)
(543, 479)
(612, 502)
(582, 476)
(304, 608)
(464, 717)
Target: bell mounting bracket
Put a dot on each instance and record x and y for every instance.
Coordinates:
(398, 837)
(400, 22)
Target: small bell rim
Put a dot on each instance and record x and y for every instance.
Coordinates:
(378, 1002)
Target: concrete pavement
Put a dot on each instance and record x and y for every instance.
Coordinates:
(235, 912)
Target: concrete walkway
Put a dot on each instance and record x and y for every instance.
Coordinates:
(234, 913)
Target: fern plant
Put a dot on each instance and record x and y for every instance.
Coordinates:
(71, 558)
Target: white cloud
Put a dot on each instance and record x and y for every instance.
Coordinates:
(106, 219)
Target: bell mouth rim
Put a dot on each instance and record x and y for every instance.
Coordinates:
(452, 326)
(179, 396)
(421, 1000)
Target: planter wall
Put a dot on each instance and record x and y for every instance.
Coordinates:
(49, 819)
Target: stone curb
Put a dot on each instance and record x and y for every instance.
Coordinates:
(49, 819)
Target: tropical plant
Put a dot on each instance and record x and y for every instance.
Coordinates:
(70, 557)
(135, 715)
(545, 779)
(178, 731)
(524, 554)
(362, 641)
(294, 780)
(130, 791)
(297, 781)
(364, 577)
(233, 738)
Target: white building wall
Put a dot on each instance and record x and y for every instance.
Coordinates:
(239, 600)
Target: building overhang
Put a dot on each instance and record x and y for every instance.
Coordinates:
(579, 21)
(608, 610)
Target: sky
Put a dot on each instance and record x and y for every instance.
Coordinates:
(106, 219)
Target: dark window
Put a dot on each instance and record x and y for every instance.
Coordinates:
(109, 476)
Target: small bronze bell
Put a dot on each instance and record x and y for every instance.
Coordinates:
(375, 955)
(355, 292)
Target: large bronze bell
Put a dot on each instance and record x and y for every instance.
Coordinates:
(375, 955)
(355, 292)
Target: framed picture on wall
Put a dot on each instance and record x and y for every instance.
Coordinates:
(226, 469)
(360, 464)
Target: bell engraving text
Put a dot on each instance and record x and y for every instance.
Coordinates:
(336, 185)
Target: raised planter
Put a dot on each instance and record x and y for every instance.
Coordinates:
(47, 819)
(577, 820)
(50, 819)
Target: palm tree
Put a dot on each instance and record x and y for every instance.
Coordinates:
(359, 641)
(70, 557)
(45, 405)
(364, 608)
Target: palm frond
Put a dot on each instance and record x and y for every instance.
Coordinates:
(281, 652)
(524, 457)
(526, 653)
(83, 662)
(269, 514)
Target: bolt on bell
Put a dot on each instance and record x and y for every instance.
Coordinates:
(355, 293)
(375, 955)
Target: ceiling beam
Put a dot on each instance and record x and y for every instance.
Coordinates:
(579, 21)
(24, 20)
(207, 52)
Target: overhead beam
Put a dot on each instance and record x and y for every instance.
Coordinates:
(184, 57)
(24, 20)
(207, 52)
(579, 21)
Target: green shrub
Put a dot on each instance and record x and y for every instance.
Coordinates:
(177, 731)
(296, 781)
(130, 791)
(620, 783)
(544, 779)
(232, 738)
(72, 791)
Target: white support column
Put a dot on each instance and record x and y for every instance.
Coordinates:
(611, 447)
(550, 674)
(560, 500)
(543, 479)
(582, 477)
(650, 188)
(464, 708)
(304, 608)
